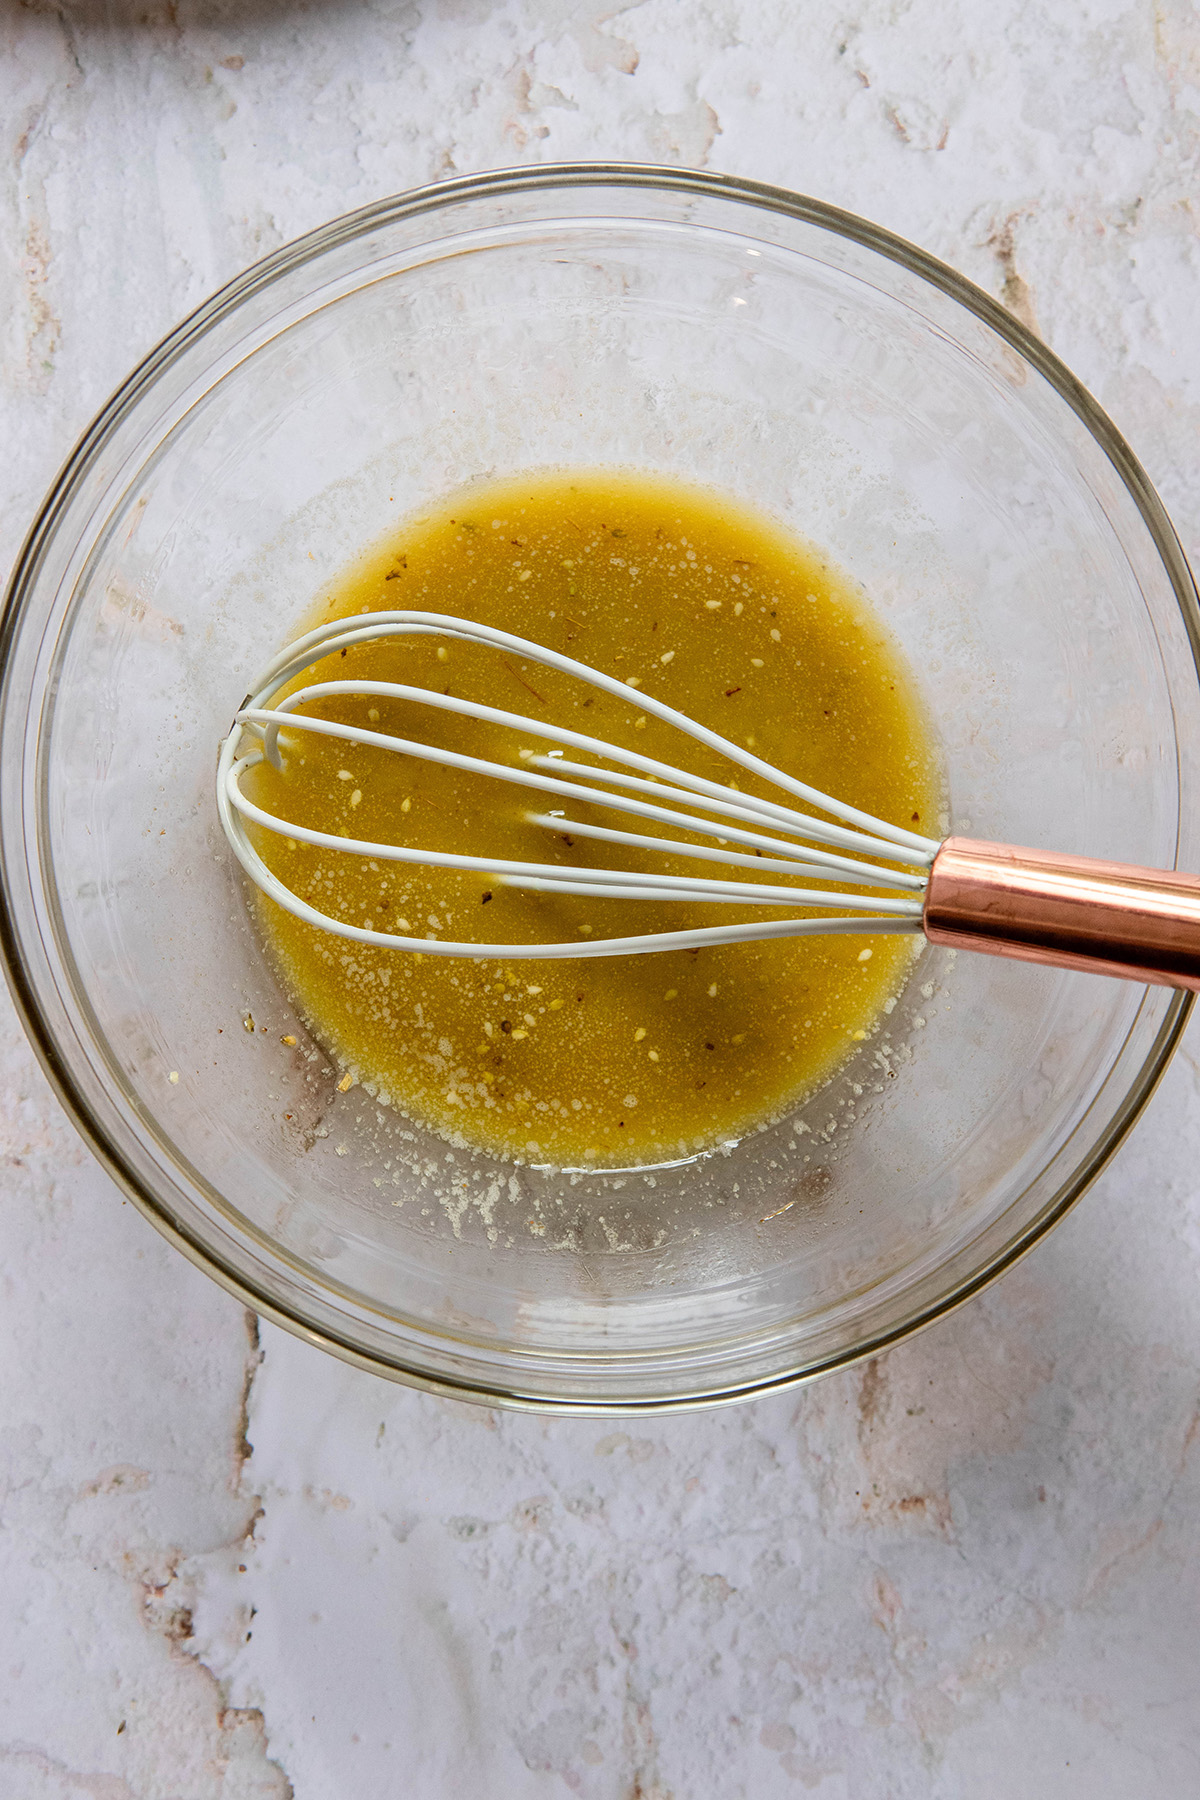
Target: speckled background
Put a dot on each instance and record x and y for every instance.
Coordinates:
(967, 1568)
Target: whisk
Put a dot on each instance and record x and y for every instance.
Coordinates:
(1003, 900)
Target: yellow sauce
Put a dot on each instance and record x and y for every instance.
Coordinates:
(715, 610)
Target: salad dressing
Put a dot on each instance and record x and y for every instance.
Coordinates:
(681, 593)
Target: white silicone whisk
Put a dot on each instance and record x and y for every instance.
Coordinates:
(1071, 911)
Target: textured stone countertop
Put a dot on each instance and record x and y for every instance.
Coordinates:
(971, 1567)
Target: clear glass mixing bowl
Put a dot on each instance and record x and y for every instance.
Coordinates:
(745, 338)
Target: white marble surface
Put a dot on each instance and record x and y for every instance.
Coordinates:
(971, 1568)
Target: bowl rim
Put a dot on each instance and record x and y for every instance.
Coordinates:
(431, 198)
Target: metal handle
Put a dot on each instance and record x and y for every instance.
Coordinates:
(1069, 911)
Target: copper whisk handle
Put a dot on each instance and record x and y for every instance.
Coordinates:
(1072, 912)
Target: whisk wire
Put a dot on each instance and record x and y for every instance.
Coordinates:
(728, 801)
(732, 813)
(335, 636)
(836, 867)
(524, 776)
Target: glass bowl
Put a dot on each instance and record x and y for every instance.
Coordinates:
(734, 335)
